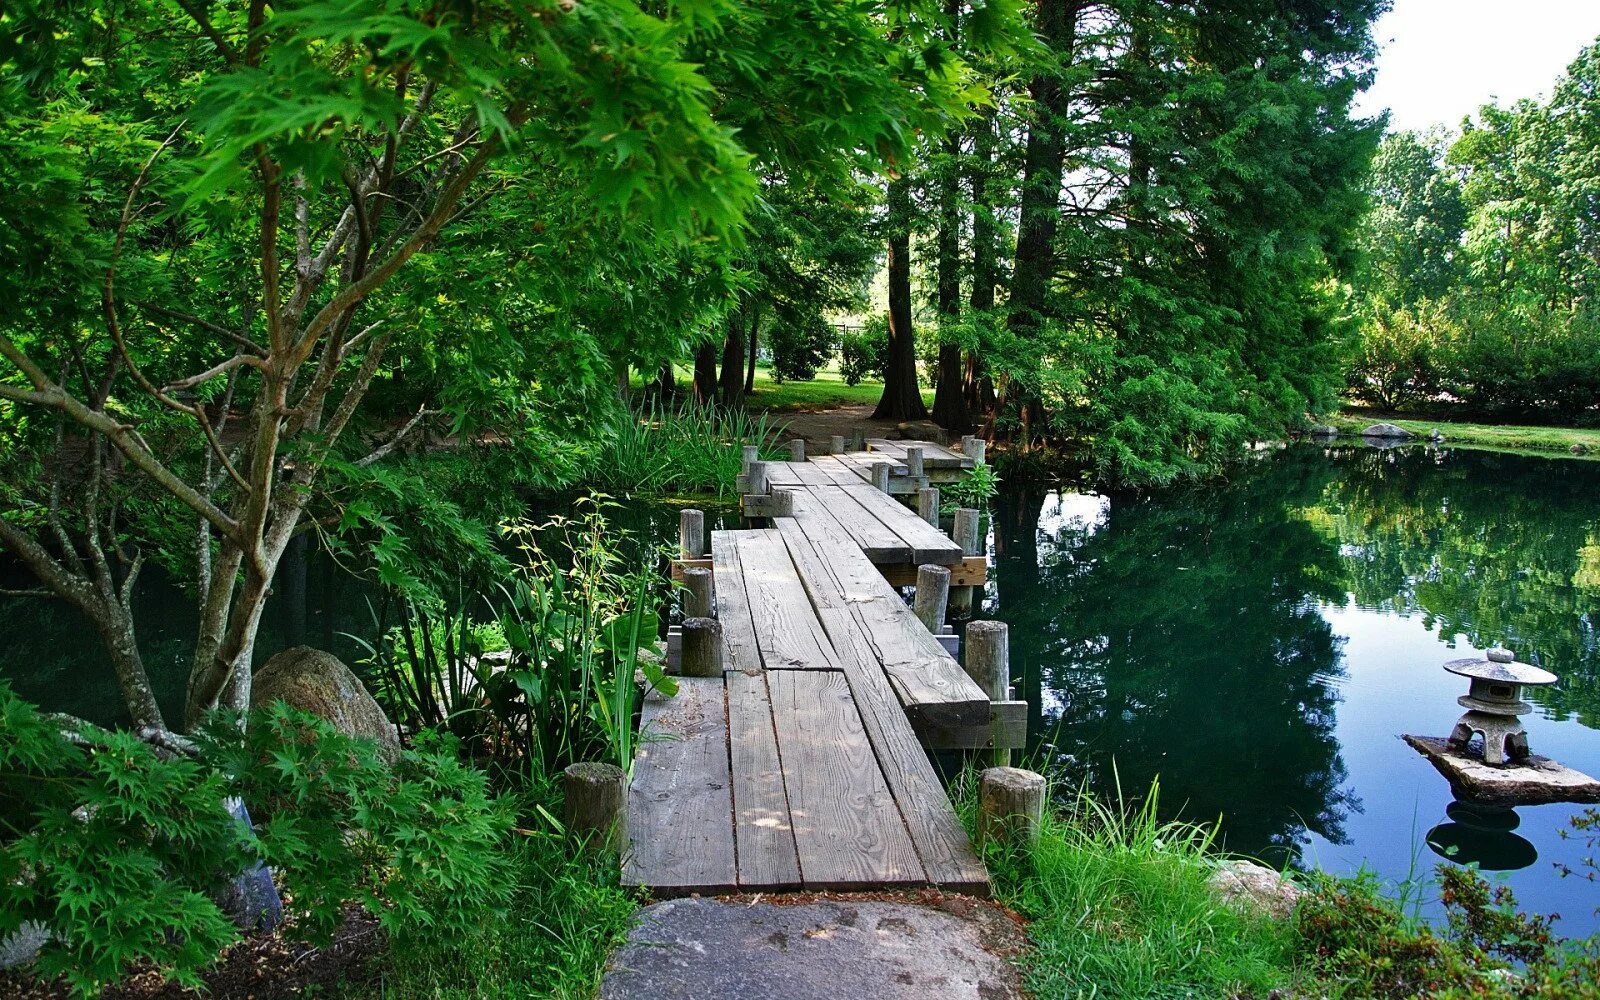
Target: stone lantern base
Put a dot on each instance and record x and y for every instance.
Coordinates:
(1533, 781)
(1504, 738)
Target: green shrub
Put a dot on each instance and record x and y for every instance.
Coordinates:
(663, 449)
(974, 490)
(116, 849)
(864, 353)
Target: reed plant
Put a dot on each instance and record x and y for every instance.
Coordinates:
(673, 449)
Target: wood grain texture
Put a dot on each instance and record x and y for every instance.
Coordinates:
(851, 521)
(733, 606)
(680, 802)
(927, 543)
(848, 829)
(787, 630)
(762, 829)
(934, 456)
(935, 829)
(929, 683)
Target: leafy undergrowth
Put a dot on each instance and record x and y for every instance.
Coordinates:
(1120, 907)
(567, 913)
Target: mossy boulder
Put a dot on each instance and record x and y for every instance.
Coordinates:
(317, 682)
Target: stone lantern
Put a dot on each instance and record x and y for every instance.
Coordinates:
(1494, 702)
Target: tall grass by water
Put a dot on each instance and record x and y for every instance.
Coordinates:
(689, 447)
(1120, 906)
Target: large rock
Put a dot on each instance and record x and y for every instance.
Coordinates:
(702, 949)
(922, 430)
(1323, 431)
(1257, 887)
(316, 682)
(1534, 781)
(1386, 432)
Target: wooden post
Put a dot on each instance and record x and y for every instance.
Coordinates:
(858, 440)
(702, 648)
(914, 467)
(594, 806)
(988, 663)
(691, 533)
(756, 479)
(752, 454)
(698, 601)
(797, 450)
(780, 503)
(836, 445)
(880, 476)
(933, 596)
(928, 504)
(965, 534)
(1010, 807)
(974, 448)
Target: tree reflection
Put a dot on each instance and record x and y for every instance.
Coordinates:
(1489, 548)
(1178, 636)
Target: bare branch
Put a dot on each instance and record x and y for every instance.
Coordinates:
(380, 453)
(198, 15)
(213, 372)
(222, 331)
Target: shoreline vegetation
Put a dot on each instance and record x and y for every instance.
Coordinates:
(1550, 442)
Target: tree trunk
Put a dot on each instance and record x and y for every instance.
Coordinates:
(902, 398)
(750, 355)
(667, 381)
(977, 386)
(733, 362)
(949, 402)
(705, 374)
(1040, 210)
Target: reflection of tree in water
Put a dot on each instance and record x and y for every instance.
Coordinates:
(1179, 637)
(1487, 547)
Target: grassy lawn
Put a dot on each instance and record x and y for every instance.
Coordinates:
(825, 392)
(1501, 437)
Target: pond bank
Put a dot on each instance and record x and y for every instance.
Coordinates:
(1519, 439)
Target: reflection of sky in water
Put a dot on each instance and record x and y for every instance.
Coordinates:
(1400, 529)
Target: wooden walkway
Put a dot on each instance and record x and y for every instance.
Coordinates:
(803, 765)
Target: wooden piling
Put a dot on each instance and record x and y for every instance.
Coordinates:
(836, 445)
(914, 462)
(593, 807)
(1010, 807)
(988, 663)
(756, 479)
(928, 504)
(974, 448)
(933, 596)
(797, 450)
(698, 601)
(752, 455)
(965, 534)
(702, 647)
(858, 440)
(691, 533)
(880, 476)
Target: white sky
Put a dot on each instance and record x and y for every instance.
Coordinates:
(1440, 59)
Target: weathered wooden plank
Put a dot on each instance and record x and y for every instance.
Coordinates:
(811, 474)
(934, 456)
(733, 606)
(848, 830)
(784, 473)
(787, 630)
(679, 565)
(680, 803)
(927, 543)
(941, 840)
(837, 470)
(848, 519)
(762, 829)
(971, 571)
(863, 462)
(928, 682)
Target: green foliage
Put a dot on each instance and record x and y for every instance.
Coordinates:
(974, 490)
(537, 671)
(116, 848)
(1359, 943)
(864, 353)
(666, 449)
(1120, 907)
(1480, 262)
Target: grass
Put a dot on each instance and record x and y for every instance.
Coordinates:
(1499, 437)
(1120, 906)
(825, 392)
(683, 449)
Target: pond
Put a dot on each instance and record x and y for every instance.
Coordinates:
(1259, 647)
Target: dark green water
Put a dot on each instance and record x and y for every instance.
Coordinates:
(1260, 646)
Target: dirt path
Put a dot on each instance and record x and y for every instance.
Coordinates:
(818, 426)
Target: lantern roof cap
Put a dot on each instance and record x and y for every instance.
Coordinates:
(1499, 664)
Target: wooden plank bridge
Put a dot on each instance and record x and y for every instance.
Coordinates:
(795, 752)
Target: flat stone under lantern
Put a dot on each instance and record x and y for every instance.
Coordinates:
(1494, 704)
